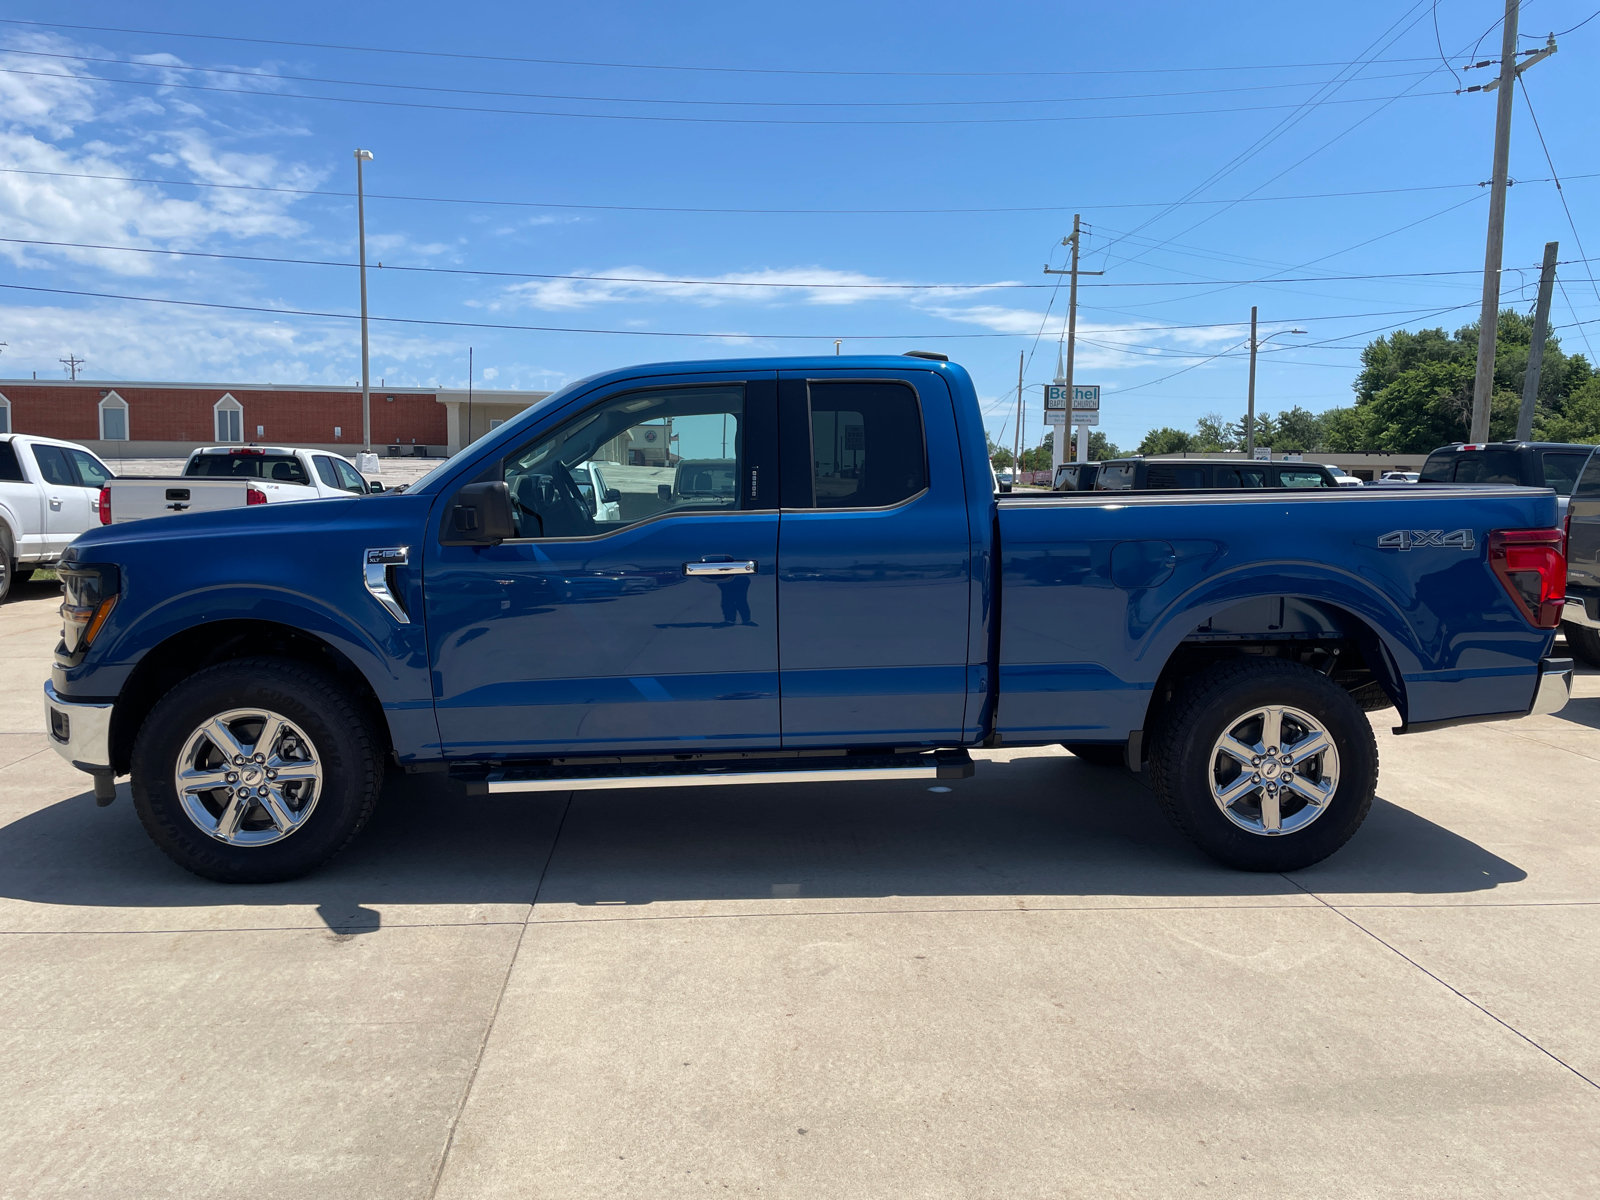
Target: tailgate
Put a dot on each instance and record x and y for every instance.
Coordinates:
(139, 499)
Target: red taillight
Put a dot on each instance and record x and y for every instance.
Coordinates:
(105, 506)
(255, 496)
(1532, 564)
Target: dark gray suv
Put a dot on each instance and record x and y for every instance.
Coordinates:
(1580, 619)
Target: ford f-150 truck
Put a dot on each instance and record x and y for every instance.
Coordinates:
(49, 494)
(860, 604)
(222, 477)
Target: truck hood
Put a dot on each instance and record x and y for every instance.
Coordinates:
(256, 521)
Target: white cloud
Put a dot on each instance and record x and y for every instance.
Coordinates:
(786, 284)
(491, 373)
(43, 120)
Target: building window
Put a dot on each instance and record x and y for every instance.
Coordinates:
(5, 415)
(113, 418)
(495, 422)
(230, 419)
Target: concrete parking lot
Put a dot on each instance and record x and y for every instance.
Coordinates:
(1026, 986)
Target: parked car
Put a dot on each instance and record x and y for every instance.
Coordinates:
(1580, 617)
(1164, 474)
(223, 477)
(1076, 477)
(1401, 476)
(604, 501)
(1521, 464)
(49, 494)
(1341, 477)
(255, 670)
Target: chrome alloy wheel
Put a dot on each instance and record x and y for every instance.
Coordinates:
(248, 777)
(1274, 770)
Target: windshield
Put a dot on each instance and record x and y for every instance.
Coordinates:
(281, 468)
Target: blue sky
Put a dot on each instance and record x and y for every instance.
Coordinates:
(716, 165)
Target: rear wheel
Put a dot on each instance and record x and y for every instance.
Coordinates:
(1583, 642)
(8, 564)
(1100, 756)
(255, 771)
(1265, 764)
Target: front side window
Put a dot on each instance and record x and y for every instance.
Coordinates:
(1561, 470)
(1589, 482)
(867, 446)
(54, 466)
(630, 458)
(92, 473)
(1296, 478)
(349, 479)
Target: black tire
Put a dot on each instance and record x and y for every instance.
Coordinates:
(1211, 703)
(331, 720)
(1583, 642)
(1100, 756)
(1371, 697)
(8, 563)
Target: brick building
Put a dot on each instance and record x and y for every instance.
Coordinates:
(167, 420)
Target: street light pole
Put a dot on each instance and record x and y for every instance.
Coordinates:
(361, 235)
(1250, 413)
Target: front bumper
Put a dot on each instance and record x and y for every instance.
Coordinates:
(80, 733)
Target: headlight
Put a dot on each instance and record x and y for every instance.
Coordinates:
(90, 594)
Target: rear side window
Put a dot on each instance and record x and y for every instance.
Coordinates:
(866, 445)
(1488, 466)
(324, 466)
(92, 473)
(1561, 470)
(1295, 477)
(1250, 477)
(10, 468)
(53, 465)
(1115, 479)
(1165, 475)
(280, 468)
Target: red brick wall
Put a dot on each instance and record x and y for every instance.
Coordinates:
(184, 414)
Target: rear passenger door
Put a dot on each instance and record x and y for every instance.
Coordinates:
(67, 511)
(874, 561)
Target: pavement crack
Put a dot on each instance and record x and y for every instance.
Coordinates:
(1401, 954)
(494, 1012)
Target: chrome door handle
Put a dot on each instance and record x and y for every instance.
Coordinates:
(55, 503)
(375, 567)
(713, 569)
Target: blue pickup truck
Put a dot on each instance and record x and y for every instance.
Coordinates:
(840, 595)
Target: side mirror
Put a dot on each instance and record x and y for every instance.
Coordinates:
(479, 515)
(612, 496)
(664, 492)
(1004, 486)
(375, 485)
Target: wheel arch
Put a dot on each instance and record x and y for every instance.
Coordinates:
(181, 655)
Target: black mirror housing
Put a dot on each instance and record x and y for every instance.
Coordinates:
(479, 515)
(375, 485)
(612, 496)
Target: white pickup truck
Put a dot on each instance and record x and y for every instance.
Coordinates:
(49, 494)
(220, 477)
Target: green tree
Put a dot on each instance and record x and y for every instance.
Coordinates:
(1266, 430)
(1345, 429)
(1038, 459)
(1212, 432)
(1100, 448)
(1297, 429)
(1579, 419)
(1166, 440)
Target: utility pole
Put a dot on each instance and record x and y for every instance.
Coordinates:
(1016, 452)
(1541, 321)
(1058, 456)
(1250, 412)
(361, 235)
(468, 440)
(71, 363)
(1489, 315)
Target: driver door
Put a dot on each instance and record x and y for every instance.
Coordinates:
(646, 623)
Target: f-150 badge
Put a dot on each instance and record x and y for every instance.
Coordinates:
(1412, 539)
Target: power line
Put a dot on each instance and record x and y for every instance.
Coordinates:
(259, 187)
(561, 62)
(1571, 224)
(1579, 25)
(681, 120)
(652, 280)
(416, 87)
(295, 312)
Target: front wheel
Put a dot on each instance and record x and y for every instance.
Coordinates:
(255, 771)
(1265, 764)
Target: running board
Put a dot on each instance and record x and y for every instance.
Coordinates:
(939, 764)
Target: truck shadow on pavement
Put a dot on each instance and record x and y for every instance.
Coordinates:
(1043, 826)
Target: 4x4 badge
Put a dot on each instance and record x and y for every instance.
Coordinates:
(1411, 539)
